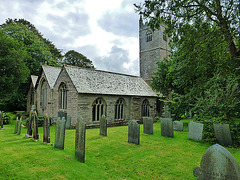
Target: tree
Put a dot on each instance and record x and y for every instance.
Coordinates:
(77, 59)
(177, 13)
(13, 68)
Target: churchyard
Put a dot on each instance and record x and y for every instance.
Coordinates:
(107, 156)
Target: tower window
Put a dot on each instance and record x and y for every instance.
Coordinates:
(149, 36)
(62, 96)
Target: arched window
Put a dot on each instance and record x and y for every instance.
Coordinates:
(43, 98)
(62, 96)
(99, 109)
(119, 109)
(149, 36)
(145, 108)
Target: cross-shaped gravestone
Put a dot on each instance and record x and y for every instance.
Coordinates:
(80, 140)
(103, 125)
(147, 125)
(166, 127)
(217, 164)
(195, 131)
(60, 133)
(133, 132)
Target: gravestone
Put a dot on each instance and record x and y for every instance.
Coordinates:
(35, 126)
(133, 132)
(60, 133)
(62, 114)
(195, 131)
(166, 127)
(46, 129)
(167, 113)
(178, 125)
(103, 126)
(16, 126)
(80, 141)
(68, 123)
(30, 123)
(222, 133)
(19, 126)
(147, 125)
(1, 120)
(190, 114)
(217, 164)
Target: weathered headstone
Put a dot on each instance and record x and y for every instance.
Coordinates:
(1, 120)
(19, 126)
(80, 140)
(30, 123)
(147, 125)
(217, 164)
(35, 126)
(133, 132)
(60, 133)
(178, 125)
(195, 131)
(167, 127)
(68, 123)
(16, 126)
(62, 114)
(167, 113)
(103, 126)
(46, 129)
(222, 133)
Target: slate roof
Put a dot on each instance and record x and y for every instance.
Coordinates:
(34, 80)
(102, 82)
(51, 74)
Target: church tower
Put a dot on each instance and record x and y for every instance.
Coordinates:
(153, 47)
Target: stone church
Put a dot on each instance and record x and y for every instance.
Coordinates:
(92, 93)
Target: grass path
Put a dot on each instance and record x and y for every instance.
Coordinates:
(110, 157)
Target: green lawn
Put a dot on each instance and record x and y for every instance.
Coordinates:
(110, 157)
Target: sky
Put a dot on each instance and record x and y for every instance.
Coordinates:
(105, 31)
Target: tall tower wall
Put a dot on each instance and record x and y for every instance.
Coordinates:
(153, 47)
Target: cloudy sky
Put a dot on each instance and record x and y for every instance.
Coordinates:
(106, 31)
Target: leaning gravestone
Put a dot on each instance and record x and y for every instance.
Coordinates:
(19, 126)
(178, 125)
(60, 133)
(35, 126)
(133, 132)
(166, 127)
(46, 129)
(222, 133)
(147, 125)
(80, 141)
(68, 122)
(195, 131)
(103, 126)
(16, 126)
(217, 164)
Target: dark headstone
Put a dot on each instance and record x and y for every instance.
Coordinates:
(133, 132)
(217, 164)
(166, 127)
(1, 120)
(222, 133)
(16, 126)
(62, 114)
(80, 141)
(178, 125)
(103, 126)
(60, 133)
(147, 125)
(35, 126)
(46, 129)
(68, 123)
(195, 131)
(19, 126)
(30, 124)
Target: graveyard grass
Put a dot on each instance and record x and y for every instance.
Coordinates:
(107, 157)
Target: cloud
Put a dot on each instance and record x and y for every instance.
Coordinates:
(117, 61)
